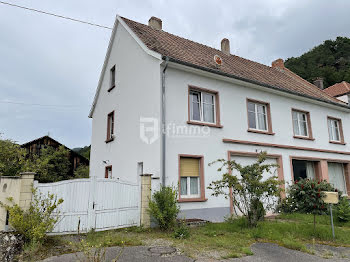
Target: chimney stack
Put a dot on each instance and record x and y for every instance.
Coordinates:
(155, 23)
(319, 83)
(225, 46)
(279, 63)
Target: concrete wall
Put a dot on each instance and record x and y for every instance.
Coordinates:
(19, 189)
(137, 94)
(234, 120)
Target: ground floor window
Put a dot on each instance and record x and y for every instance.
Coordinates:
(108, 172)
(303, 169)
(336, 176)
(190, 176)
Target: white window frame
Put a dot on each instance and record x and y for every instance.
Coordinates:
(110, 125)
(331, 125)
(189, 195)
(256, 116)
(201, 103)
(299, 121)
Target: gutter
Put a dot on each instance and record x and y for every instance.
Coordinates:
(170, 59)
(163, 128)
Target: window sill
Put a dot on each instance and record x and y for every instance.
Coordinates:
(204, 124)
(183, 200)
(337, 142)
(261, 132)
(109, 140)
(111, 88)
(304, 137)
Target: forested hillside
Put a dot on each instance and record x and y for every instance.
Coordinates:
(84, 151)
(330, 60)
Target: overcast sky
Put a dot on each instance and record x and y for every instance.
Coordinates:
(45, 60)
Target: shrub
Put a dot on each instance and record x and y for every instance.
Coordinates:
(163, 207)
(306, 196)
(249, 191)
(182, 231)
(38, 219)
(343, 210)
(82, 171)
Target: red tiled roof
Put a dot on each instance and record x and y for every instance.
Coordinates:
(199, 55)
(338, 89)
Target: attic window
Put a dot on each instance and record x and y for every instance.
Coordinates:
(112, 79)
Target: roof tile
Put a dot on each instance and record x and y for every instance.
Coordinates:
(197, 54)
(338, 89)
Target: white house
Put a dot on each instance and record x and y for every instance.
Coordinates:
(212, 104)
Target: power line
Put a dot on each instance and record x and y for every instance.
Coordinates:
(43, 105)
(56, 15)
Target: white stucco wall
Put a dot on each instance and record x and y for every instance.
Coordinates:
(137, 94)
(234, 120)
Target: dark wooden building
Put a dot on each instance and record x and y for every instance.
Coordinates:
(35, 146)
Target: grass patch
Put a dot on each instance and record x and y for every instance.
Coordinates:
(216, 240)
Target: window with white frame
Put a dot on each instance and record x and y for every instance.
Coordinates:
(190, 177)
(257, 116)
(202, 106)
(334, 129)
(300, 123)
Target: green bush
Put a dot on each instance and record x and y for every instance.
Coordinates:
(82, 171)
(306, 196)
(182, 231)
(343, 210)
(163, 207)
(34, 222)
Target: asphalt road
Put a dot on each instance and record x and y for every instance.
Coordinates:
(263, 252)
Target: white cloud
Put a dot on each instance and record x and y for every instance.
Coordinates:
(53, 61)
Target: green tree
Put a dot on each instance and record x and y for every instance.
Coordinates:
(83, 151)
(250, 193)
(13, 159)
(53, 165)
(330, 60)
(82, 171)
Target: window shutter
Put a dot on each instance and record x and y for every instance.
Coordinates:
(189, 167)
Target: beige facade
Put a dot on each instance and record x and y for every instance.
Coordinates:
(19, 189)
(146, 190)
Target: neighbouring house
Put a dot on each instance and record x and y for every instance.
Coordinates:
(35, 146)
(168, 106)
(340, 91)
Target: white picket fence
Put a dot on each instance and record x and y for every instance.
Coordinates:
(94, 203)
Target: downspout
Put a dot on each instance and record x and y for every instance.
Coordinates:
(163, 127)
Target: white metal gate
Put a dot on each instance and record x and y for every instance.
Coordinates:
(97, 203)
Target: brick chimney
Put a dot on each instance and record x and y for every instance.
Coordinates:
(225, 46)
(279, 63)
(319, 83)
(155, 23)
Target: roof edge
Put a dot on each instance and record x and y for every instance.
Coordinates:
(119, 20)
(252, 81)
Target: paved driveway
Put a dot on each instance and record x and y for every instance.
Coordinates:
(263, 252)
